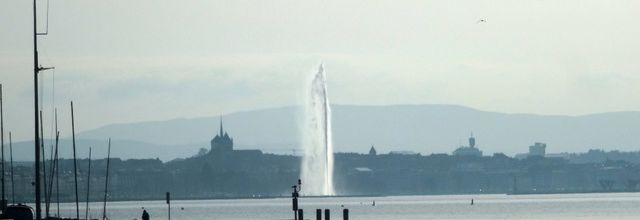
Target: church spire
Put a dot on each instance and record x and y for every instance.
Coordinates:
(221, 129)
(372, 151)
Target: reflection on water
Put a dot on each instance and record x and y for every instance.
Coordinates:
(559, 206)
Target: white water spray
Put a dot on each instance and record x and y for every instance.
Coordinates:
(317, 162)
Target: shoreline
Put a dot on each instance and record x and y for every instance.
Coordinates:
(347, 196)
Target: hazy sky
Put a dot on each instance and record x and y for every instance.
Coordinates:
(123, 61)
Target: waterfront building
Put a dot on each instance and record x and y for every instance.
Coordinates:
(537, 149)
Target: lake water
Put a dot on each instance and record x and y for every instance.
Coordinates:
(558, 206)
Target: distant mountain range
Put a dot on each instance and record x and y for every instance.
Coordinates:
(420, 128)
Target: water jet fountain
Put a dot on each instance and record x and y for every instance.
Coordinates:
(317, 163)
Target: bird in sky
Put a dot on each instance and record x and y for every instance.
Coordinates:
(481, 20)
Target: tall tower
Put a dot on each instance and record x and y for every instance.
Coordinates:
(472, 141)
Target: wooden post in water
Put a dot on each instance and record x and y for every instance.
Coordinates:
(295, 207)
(169, 204)
(327, 215)
(345, 214)
(318, 214)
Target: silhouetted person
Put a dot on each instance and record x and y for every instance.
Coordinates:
(145, 215)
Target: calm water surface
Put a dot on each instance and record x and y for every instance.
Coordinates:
(559, 206)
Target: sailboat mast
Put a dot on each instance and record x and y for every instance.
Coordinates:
(56, 164)
(75, 165)
(57, 175)
(106, 182)
(86, 212)
(49, 185)
(13, 184)
(44, 166)
(36, 69)
(2, 147)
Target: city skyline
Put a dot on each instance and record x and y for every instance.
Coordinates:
(417, 128)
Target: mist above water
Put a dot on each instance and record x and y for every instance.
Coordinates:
(317, 162)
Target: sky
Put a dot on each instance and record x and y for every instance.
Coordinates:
(127, 61)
